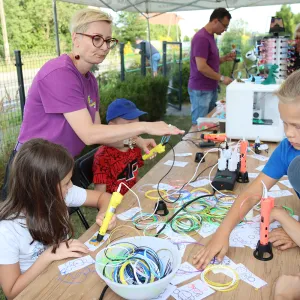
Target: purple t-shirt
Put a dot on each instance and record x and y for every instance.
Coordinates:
(203, 45)
(58, 88)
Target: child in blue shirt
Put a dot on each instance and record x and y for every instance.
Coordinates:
(287, 236)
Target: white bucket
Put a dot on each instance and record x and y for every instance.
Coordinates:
(143, 291)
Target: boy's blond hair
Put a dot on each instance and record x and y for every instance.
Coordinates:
(289, 91)
(81, 20)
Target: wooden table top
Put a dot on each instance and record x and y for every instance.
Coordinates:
(86, 284)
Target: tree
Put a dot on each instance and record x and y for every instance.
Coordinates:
(129, 26)
(30, 25)
(237, 35)
(288, 19)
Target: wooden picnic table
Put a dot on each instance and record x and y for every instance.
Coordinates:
(88, 285)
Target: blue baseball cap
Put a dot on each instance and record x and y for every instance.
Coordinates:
(123, 108)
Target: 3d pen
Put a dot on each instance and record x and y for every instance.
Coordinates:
(214, 137)
(243, 174)
(264, 246)
(160, 148)
(157, 149)
(115, 200)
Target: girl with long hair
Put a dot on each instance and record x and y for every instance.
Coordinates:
(35, 228)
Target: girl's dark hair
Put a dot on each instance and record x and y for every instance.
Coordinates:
(35, 193)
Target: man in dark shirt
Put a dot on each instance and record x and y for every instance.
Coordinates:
(153, 54)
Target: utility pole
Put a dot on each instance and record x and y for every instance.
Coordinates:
(4, 33)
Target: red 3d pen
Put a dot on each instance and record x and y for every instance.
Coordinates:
(263, 249)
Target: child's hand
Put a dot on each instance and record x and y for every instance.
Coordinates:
(287, 287)
(276, 213)
(281, 240)
(100, 218)
(145, 144)
(75, 249)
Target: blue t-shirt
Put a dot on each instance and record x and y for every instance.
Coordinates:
(280, 160)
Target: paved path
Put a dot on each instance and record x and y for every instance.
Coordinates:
(185, 110)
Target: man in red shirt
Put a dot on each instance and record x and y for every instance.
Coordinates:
(118, 162)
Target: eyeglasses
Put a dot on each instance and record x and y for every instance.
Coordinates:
(225, 26)
(98, 40)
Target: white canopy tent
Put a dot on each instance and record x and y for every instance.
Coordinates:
(158, 7)
(162, 6)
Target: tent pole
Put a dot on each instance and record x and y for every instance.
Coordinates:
(149, 40)
(56, 27)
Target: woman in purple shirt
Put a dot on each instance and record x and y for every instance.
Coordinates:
(62, 105)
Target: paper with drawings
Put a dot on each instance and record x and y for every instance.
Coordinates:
(259, 157)
(195, 290)
(163, 186)
(199, 183)
(225, 262)
(176, 163)
(166, 293)
(278, 194)
(260, 168)
(250, 278)
(92, 243)
(185, 272)
(207, 229)
(75, 264)
(183, 154)
(126, 215)
(286, 183)
(174, 236)
(246, 235)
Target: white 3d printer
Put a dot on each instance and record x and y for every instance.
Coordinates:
(252, 111)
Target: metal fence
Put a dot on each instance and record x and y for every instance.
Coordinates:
(17, 75)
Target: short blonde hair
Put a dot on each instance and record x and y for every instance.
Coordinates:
(81, 20)
(289, 91)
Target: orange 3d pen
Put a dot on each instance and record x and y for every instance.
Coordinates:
(214, 137)
(263, 249)
(243, 174)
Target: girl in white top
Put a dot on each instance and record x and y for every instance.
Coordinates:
(34, 220)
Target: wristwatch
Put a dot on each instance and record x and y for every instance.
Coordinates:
(222, 78)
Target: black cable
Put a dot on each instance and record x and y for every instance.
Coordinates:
(103, 292)
(178, 192)
(178, 211)
(188, 140)
(202, 172)
(206, 129)
(158, 191)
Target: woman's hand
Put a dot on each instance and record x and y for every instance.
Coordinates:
(161, 128)
(74, 249)
(217, 246)
(100, 217)
(146, 145)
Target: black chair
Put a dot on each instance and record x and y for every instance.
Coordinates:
(83, 177)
